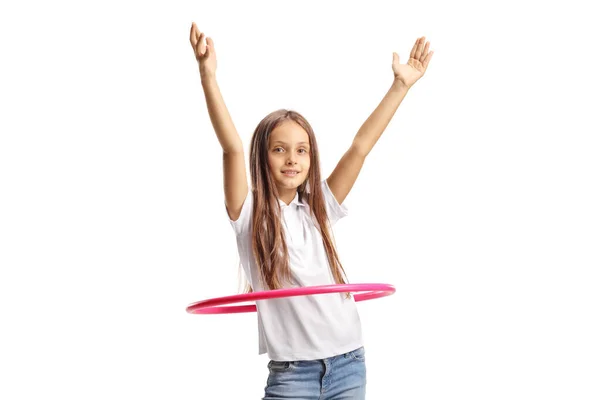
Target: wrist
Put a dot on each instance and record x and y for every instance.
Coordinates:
(400, 86)
(207, 77)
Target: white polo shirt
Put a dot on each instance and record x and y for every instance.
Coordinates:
(302, 327)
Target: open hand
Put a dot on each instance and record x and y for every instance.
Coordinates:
(205, 53)
(416, 66)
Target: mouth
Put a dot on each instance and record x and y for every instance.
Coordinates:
(290, 172)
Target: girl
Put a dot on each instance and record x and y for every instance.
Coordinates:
(283, 225)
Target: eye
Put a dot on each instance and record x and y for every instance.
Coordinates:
(276, 149)
(302, 151)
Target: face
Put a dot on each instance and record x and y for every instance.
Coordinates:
(289, 158)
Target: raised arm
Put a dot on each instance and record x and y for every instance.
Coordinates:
(406, 75)
(235, 183)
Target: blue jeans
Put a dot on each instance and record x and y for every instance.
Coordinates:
(342, 377)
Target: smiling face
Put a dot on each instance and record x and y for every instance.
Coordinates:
(289, 158)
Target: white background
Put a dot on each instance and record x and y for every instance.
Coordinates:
(480, 202)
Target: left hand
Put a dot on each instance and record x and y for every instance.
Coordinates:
(413, 70)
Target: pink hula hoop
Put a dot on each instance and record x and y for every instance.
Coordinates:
(213, 306)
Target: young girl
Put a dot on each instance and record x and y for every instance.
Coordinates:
(283, 225)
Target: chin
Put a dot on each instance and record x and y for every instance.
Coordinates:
(290, 185)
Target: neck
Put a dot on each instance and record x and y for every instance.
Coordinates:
(287, 195)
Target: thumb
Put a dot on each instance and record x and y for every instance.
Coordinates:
(210, 45)
(396, 58)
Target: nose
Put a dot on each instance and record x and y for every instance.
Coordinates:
(291, 159)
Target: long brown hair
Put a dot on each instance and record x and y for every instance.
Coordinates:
(268, 241)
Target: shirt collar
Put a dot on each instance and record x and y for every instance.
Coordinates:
(294, 201)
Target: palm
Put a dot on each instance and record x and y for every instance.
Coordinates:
(416, 66)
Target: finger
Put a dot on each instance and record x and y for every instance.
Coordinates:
(427, 59)
(419, 46)
(425, 52)
(414, 49)
(193, 39)
(200, 47)
(210, 46)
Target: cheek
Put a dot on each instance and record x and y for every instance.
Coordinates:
(274, 166)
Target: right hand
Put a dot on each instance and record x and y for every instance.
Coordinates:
(205, 53)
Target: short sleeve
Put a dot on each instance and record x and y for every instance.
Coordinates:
(242, 224)
(335, 211)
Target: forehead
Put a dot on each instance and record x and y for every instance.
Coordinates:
(289, 132)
